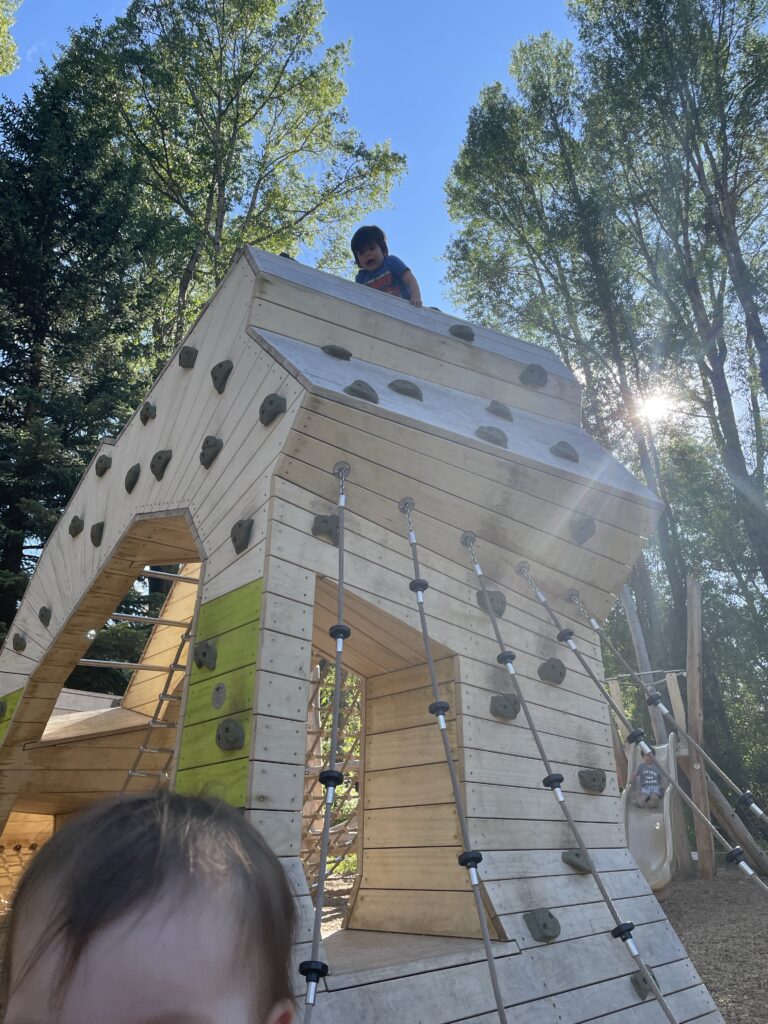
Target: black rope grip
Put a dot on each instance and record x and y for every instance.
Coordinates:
(330, 777)
(734, 856)
(553, 781)
(623, 931)
(313, 970)
(653, 700)
(636, 735)
(506, 657)
(418, 586)
(340, 631)
(745, 800)
(565, 635)
(470, 858)
(439, 707)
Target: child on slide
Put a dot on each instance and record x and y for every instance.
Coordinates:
(647, 783)
(380, 270)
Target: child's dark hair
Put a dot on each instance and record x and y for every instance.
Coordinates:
(119, 855)
(367, 235)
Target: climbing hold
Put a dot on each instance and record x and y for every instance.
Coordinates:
(493, 599)
(205, 655)
(272, 407)
(640, 983)
(132, 477)
(592, 779)
(287, 256)
(220, 374)
(241, 535)
(582, 528)
(462, 331)
(575, 859)
(563, 450)
(3, 710)
(218, 695)
(159, 462)
(45, 615)
(148, 412)
(499, 409)
(211, 448)
(187, 357)
(542, 924)
(97, 533)
(552, 671)
(505, 705)
(361, 389)
(76, 526)
(493, 435)
(407, 388)
(230, 735)
(326, 526)
(19, 642)
(103, 463)
(534, 376)
(337, 351)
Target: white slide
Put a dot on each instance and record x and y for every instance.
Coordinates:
(649, 831)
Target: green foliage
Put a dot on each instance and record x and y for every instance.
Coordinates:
(8, 55)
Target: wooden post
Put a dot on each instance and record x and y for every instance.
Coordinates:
(618, 734)
(698, 774)
(643, 661)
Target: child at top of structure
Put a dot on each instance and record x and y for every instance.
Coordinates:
(380, 270)
(648, 782)
(147, 909)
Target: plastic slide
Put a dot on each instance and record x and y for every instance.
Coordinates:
(649, 831)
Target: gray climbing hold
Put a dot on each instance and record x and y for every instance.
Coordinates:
(407, 388)
(505, 705)
(361, 389)
(97, 534)
(493, 435)
(563, 450)
(241, 535)
(493, 598)
(159, 462)
(552, 671)
(211, 448)
(3, 708)
(337, 351)
(132, 477)
(592, 779)
(148, 412)
(230, 735)
(103, 463)
(640, 984)
(19, 642)
(582, 528)
(218, 695)
(534, 376)
(542, 924)
(205, 655)
(220, 374)
(76, 526)
(187, 357)
(272, 407)
(501, 410)
(462, 331)
(326, 526)
(45, 615)
(575, 859)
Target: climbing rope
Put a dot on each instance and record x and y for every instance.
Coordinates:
(745, 799)
(553, 782)
(439, 708)
(734, 854)
(315, 969)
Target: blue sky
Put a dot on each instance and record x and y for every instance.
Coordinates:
(418, 67)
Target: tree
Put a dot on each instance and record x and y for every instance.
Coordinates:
(8, 55)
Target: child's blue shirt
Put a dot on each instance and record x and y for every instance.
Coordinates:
(387, 278)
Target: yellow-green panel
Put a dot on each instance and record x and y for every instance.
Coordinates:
(199, 747)
(232, 694)
(227, 781)
(11, 703)
(235, 649)
(230, 610)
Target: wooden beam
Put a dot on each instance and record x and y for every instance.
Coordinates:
(698, 773)
(644, 662)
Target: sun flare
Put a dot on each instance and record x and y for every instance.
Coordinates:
(657, 407)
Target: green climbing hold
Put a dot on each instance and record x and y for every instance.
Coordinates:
(102, 464)
(97, 534)
(592, 779)
(148, 412)
(220, 374)
(326, 526)
(552, 671)
(159, 462)
(272, 407)
(19, 642)
(493, 599)
(211, 448)
(542, 924)
(505, 705)
(407, 388)
(230, 735)
(187, 357)
(132, 477)
(501, 410)
(493, 435)
(534, 376)
(205, 655)
(76, 526)
(361, 389)
(241, 534)
(462, 331)
(45, 616)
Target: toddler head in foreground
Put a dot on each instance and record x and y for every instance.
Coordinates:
(159, 909)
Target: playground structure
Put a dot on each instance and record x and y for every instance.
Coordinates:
(228, 470)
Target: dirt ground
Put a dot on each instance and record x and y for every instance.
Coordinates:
(721, 923)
